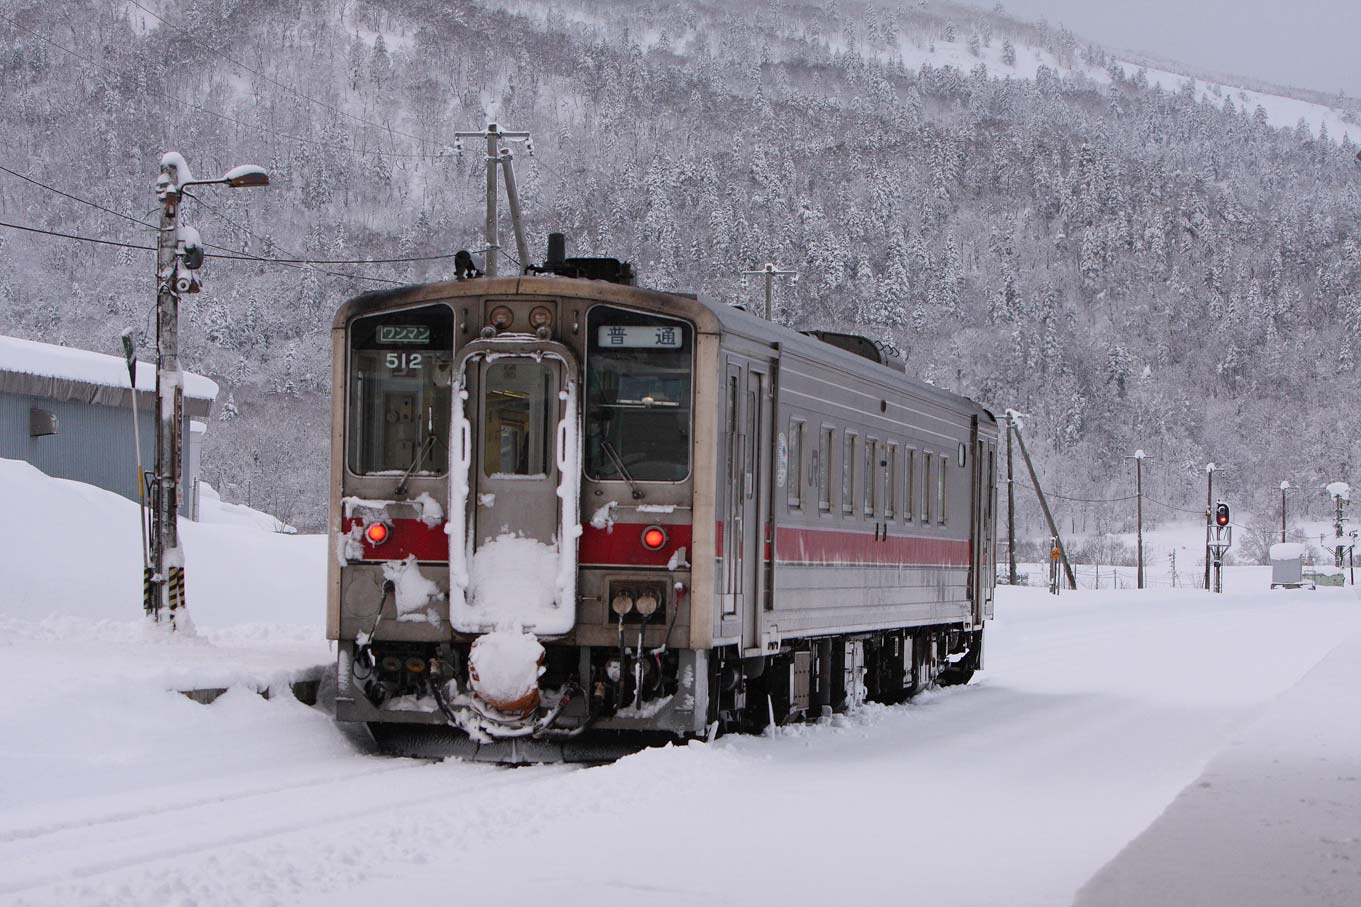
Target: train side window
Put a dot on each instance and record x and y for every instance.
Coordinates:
(848, 447)
(794, 469)
(871, 471)
(910, 504)
(926, 491)
(824, 470)
(891, 483)
(940, 488)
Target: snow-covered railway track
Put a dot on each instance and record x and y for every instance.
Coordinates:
(316, 776)
(38, 859)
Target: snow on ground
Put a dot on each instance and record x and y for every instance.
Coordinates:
(92, 708)
(212, 509)
(1286, 792)
(1095, 710)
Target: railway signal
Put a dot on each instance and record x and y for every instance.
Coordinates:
(1218, 538)
(179, 253)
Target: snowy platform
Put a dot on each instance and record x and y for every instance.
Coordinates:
(1274, 819)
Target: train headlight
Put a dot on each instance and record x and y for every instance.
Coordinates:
(540, 317)
(501, 318)
(376, 534)
(646, 604)
(621, 604)
(654, 537)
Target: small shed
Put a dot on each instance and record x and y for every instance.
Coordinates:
(1287, 565)
(67, 411)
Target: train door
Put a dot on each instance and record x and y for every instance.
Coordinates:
(746, 462)
(982, 565)
(515, 476)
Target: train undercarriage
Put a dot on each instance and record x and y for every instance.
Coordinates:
(597, 703)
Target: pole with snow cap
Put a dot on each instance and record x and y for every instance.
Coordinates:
(1209, 517)
(1285, 486)
(494, 134)
(179, 253)
(1341, 493)
(770, 271)
(1139, 457)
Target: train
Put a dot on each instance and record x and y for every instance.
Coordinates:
(571, 515)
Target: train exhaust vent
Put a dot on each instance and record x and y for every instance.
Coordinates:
(608, 269)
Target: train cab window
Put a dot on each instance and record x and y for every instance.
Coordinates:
(794, 467)
(638, 370)
(398, 408)
(890, 471)
(824, 469)
(940, 489)
(926, 491)
(848, 449)
(910, 485)
(518, 419)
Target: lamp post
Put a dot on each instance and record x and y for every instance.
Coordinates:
(179, 253)
(1285, 486)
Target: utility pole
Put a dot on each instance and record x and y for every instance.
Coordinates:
(771, 272)
(130, 357)
(1341, 494)
(1138, 458)
(1209, 516)
(1012, 416)
(1285, 486)
(179, 253)
(500, 157)
(1011, 514)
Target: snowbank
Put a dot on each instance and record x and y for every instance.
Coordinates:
(212, 509)
(79, 554)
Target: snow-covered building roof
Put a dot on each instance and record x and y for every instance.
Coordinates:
(65, 373)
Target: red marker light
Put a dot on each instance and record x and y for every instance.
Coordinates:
(377, 533)
(654, 537)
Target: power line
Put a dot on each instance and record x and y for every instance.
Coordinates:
(104, 242)
(297, 261)
(227, 257)
(74, 198)
(192, 106)
(1065, 497)
(287, 88)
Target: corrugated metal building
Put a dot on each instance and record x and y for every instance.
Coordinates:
(67, 412)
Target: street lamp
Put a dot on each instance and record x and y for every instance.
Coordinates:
(179, 252)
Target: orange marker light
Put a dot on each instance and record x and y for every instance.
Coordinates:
(654, 537)
(377, 533)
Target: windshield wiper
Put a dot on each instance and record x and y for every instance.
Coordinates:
(420, 455)
(619, 465)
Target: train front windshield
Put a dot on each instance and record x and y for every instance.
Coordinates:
(638, 371)
(400, 367)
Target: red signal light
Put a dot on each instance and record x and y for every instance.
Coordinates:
(1222, 514)
(654, 537)
(377, 533)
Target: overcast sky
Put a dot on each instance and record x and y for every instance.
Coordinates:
(1306, 43)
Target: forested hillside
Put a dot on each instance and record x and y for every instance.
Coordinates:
(1029, 220)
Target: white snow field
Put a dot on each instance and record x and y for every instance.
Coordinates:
(1095, 712)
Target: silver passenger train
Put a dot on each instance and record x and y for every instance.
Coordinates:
(572, 515)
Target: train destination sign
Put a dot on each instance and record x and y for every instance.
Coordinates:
(639, 336)
(404, 333)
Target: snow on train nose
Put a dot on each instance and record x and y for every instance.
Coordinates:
(503, 670)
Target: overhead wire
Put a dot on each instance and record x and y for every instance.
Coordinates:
(1054, 494)
(225, 256)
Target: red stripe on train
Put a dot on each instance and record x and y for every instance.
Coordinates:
(625, 545)
(826, 546)
(406, 537)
